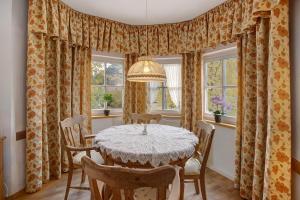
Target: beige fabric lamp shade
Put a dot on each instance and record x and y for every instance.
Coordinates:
(146, 70)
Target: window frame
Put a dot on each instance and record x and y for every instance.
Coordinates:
(213, 55)
(109, 58)
(176, 59)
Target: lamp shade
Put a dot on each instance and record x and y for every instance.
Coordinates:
(146, 70)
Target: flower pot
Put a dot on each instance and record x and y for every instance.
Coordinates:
(218, 118)
(106, 112)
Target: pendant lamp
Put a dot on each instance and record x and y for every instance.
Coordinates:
(146, 69)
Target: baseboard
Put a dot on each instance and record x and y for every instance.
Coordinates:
(221, 172)
(296, 165)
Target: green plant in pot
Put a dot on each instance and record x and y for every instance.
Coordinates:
(221, 106)
(107, 101)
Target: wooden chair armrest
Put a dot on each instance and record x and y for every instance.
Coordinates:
(175, 189)
(80, 148)
(89, 136)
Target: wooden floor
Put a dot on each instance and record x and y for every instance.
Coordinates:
(218, 188)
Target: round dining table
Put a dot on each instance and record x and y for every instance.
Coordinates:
(146, 146)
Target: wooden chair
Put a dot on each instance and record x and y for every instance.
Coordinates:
(74, 142)
(195, 167)
(130, 184)
(145, 118)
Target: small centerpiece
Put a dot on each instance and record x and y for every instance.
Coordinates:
(145, 129)
(221, 106)
(107, 101)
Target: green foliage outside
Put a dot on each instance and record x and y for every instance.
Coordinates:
(214, 80)
(106, 78)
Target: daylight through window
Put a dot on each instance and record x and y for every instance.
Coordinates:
(166, 96)
(220, 74)
(107, 78)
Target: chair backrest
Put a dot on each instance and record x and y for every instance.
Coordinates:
(71, 132)
(126, 180)
(205, 134)
(145, 118)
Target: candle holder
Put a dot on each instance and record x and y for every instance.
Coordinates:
(145, 130)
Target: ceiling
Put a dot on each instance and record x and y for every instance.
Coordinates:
(134, 11)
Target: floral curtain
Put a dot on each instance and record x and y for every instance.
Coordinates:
(58, 86)
(191, 99)
(222, 24)
(263, 145)
(135, 94)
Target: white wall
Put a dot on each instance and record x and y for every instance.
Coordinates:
(13, 23)
(222, 152)
(295, 71)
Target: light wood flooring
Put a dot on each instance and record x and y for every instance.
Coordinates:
(218, 188)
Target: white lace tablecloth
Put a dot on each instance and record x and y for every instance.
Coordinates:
(161, 145)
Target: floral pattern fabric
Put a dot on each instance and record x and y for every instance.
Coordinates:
(263, 158)
(135, 95)
(58, 87)
(191, 99)
(220, 25)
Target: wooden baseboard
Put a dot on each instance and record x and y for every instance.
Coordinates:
(21, 135)
(296, 165)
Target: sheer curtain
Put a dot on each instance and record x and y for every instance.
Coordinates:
(173, 73)
(153, 91)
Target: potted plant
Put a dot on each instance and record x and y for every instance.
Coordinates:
(221, 106)
(107, 101)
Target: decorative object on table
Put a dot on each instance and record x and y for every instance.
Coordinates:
(145, 129)
(221, 107)
(107, 101)
(146, 69)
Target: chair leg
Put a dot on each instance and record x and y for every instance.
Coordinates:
(82, 176)
(196, 184)
(202, 187)
(70, 174)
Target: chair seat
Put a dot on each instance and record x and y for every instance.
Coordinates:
(95, 156)
(192, 167)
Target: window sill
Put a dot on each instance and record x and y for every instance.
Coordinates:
(106, 117)
(227, 125)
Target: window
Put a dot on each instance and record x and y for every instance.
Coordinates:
(166, 96)
(107, 77)
(220, 77)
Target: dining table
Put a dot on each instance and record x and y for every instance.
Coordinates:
(147, 146)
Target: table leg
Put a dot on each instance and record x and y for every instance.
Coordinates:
(181, 175)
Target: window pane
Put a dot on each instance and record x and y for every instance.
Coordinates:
(97, 97)
(156, 98)
(231, 101)
(210, 93)
(231, 71)
(117, 96)
(114, 74)
(97, 73)
(214, 73)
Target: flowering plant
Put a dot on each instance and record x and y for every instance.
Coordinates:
(219, 101)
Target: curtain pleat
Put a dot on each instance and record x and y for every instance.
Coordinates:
(135, 94)
(222, 24)
(58, 86)
(191, 100)
(256, 130)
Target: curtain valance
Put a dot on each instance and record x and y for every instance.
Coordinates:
(220, 25)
